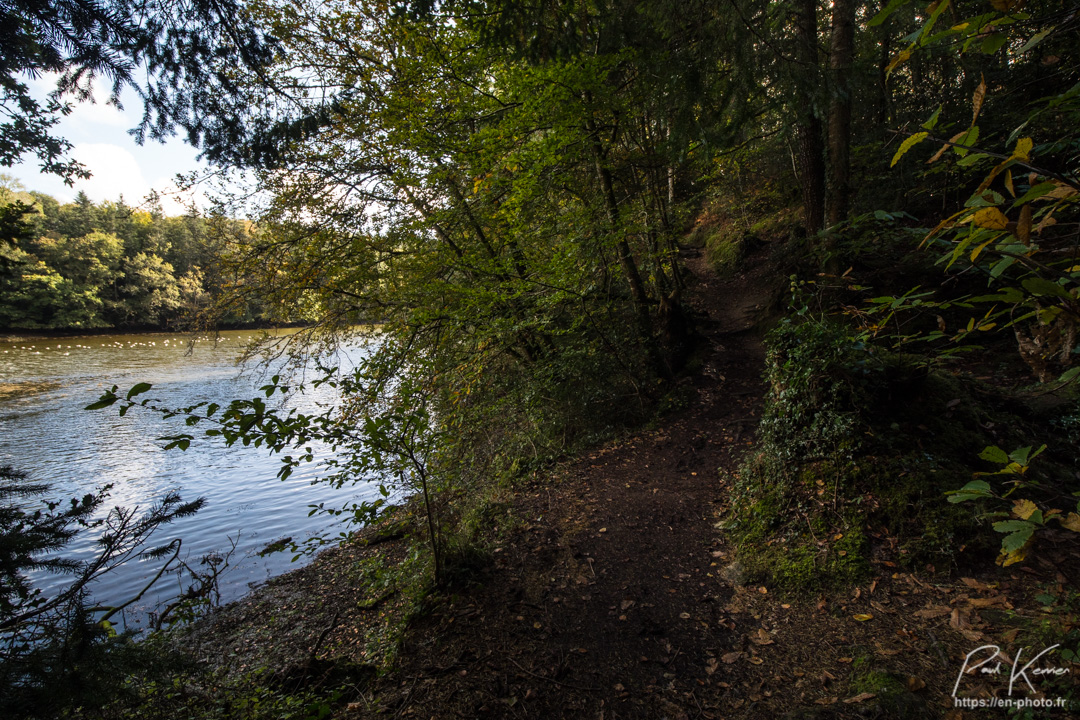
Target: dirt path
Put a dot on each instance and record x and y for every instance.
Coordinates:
(610, 602)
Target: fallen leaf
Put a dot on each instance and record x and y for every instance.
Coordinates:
(959, 619)
(861, 697)
(932, 611)
(914, 683)
(728, 658)
(755, 660)
(603, 530)
(710, 666)
(761, 637)
(972, 635)
(863, 617)
(826, 701)
(987, 602)
(626, 604)
(684, 615)
(845, 660)
(881, 608)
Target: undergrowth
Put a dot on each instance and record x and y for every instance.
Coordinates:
(857, 447)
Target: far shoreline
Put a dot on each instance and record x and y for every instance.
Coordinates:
(32, 335)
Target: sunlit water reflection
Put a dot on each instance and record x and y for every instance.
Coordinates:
(45, 432)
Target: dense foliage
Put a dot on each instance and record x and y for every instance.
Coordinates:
(80, 266)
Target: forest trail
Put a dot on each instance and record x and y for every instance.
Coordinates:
(616, 594)
(609, 602)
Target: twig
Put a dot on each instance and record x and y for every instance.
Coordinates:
(550, 680)
(322, 637)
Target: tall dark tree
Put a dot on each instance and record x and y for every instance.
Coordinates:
(841, 57)
(808, 127)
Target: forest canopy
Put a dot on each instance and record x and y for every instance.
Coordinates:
(81, 266)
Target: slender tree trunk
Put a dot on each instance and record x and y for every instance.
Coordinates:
(882, 76)
(808, 126)
(841, 56)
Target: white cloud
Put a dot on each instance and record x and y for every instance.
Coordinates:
(114, 171)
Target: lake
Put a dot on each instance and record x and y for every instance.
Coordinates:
(45, 432)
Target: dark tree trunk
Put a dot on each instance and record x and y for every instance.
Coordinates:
(841, 56)
(882, 76)
(808, 125)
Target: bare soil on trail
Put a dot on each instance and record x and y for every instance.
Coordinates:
(616, 595)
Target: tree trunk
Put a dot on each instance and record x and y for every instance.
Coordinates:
(884, 33)
(841, 56)
(808, 126)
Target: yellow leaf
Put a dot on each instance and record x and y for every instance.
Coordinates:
(976, 251)
(1024, 509)
(1022, 151)
(902, 57)
(863, 617)
(1071, 522)
(946, 146)
(1005, 559)
(990, 218)
(907, 145)
(1009, 183)
(977, 99)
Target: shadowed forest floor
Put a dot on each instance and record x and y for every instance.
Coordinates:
(615, 594)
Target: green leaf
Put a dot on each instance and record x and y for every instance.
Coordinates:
(995, 455)
(1039, 286)
(907, 145)
(1015, 541)
(1001, 266)
(1069, 375)
(993, 43)
(929, 124)
(1012, 526)
(971, 159)
(938, 8)
(886, 12)
(1035, 40)
(1035, 192)
(968, 139)
(104, 402)
(972, 491)
(138, 389)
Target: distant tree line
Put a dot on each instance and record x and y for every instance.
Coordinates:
(83, 265)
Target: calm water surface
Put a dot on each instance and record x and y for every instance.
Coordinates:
(45, 432)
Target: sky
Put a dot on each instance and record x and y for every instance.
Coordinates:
(118, 164)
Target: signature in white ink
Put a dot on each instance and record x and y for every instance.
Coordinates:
(1016, 671)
